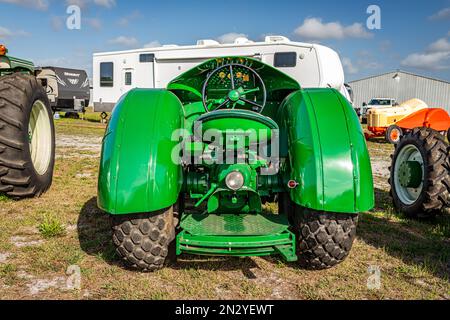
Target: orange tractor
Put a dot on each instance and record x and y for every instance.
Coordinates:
(395, 122)
(433, 118)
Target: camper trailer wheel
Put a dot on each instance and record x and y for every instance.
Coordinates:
(394, 134)
(420, 178)
(72, 115)
(27, 137)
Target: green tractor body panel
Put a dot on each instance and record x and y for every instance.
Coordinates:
(328, 153)
(137, 173)
(322, 150)
(10, 65)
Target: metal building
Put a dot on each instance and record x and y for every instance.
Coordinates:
(402, 86)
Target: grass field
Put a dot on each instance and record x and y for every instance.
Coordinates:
(43, 241)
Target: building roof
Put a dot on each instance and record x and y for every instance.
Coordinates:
(400, 71)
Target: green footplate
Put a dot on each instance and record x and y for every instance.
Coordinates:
(234, 225)
(243, 235)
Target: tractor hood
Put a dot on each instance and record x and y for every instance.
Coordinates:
(192, 81)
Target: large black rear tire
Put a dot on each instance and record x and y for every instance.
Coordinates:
(143, 240)
(27, 155)
(325, 239)
(433, 195)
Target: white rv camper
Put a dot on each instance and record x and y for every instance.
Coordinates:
(115, 73)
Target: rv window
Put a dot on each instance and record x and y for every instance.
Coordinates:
(285, 60)
(147, 57)
(106, 74)
(128, 78)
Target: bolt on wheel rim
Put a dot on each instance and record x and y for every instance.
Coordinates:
(40, 137)
(407, 155)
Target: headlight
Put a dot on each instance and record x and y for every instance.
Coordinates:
(235, 180)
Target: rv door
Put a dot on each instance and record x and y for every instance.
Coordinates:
(127, 80)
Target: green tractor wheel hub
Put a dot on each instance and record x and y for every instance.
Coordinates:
(410, 174)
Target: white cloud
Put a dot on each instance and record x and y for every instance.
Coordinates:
(53, 62)
(35, 4)
(124, 41)
(428, 61)
(443, 14)
(84, 3)
(436, 57)
(105, 3)
(5, 33)
(440, 45)
(230, 37)
(153, 44)
(349, 67)
(314, 28)
(80, 3)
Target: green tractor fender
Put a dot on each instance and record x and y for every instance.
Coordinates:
(137, 173)
(10, 65)
(328, 155)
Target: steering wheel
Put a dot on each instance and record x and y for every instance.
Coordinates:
(237, 94)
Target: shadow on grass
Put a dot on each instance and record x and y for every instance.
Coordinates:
(419, 244)
(95, 236)
(94, 233)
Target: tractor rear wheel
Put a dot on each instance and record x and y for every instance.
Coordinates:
(420, 178)
(143, 240)
(325, 239)
(27, 137)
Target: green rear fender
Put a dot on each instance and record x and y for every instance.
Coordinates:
(137, 173)
(328, 154)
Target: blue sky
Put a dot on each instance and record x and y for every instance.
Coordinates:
(414, 35)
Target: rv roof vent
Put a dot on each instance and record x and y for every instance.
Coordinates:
(207, 42)
(276, 39)
(170, 46)
(242, 40)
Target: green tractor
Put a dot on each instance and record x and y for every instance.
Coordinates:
(190, 169)
(27, 134)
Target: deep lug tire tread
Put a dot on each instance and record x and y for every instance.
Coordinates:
(143, 240)
(18, 178)
(325, 239)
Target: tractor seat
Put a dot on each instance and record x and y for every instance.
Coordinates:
(236, 120)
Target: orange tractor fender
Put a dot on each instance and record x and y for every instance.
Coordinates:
(434, 118)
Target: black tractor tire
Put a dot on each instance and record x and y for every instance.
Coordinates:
(325, 239)
(435, 194)
(390, 134)
(143, 240)
(18, 176)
